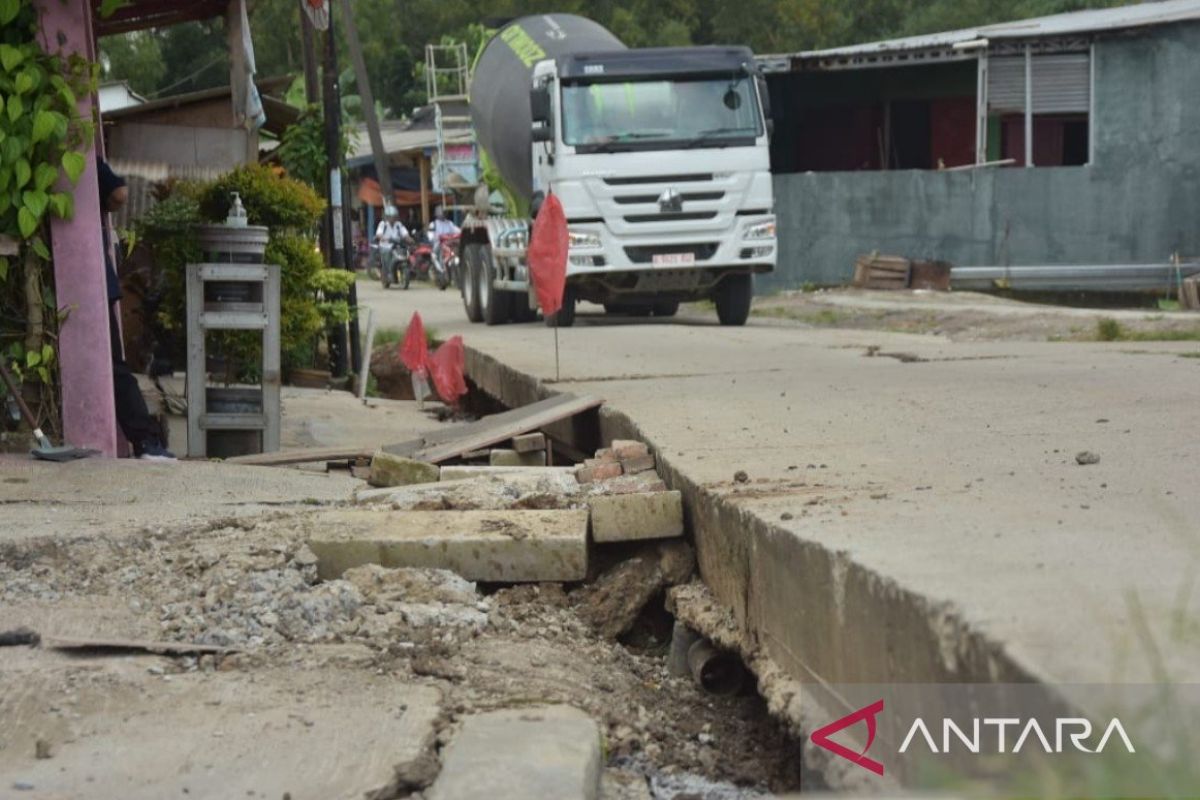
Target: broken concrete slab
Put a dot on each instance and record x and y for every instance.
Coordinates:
(511, 458)
(389, 470)
(489, 546)
(524, 753)
(631, 517)
(613, 603)
(529, 442)
(485, 492)
(628, 484)
(266, 733)
(458, 473)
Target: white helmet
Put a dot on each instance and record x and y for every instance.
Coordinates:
(389, 211)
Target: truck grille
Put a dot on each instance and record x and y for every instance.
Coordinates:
(645, 254)
(696, 178)
(688, 197)
(686, 216)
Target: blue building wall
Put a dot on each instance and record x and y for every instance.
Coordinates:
(1138, 202)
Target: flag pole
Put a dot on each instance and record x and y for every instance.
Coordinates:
(557, 374)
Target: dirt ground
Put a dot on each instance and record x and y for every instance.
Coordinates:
(250, 583)
(971, 316)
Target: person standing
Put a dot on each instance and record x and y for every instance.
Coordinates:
(133, 417)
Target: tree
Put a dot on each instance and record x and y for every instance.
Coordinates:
(136, 58)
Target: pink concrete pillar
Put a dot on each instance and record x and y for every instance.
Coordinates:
(85, 361)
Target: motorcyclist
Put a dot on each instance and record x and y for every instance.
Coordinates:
(441, 226)
(391, 230)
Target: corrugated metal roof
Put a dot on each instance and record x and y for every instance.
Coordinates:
(402, 141)
(1156, 12)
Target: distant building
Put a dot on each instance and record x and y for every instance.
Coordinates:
(1069, 139)
(115, 95)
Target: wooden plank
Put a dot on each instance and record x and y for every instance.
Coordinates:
(311, 454)
(125, 645)
(501, 427)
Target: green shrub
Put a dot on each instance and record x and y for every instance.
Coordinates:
(311, 296)
(269, 198)
(1109, 330)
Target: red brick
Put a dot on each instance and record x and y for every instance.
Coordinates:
(632, 466)
(627, 448)
(597, 472)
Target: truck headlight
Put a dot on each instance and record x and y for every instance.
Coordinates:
(761, 230)
(584, 240)
(514, 240)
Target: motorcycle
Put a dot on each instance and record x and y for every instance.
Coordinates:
(445, 259)
(389, 259)
(418, 263)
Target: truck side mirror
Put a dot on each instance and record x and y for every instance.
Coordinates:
(540, 106)
(543, 133)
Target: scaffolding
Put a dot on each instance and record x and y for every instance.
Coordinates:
(447, 82)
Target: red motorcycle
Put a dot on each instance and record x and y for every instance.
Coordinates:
(446, 259)
(418, 263)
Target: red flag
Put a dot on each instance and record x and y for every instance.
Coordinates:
(448, 366)
(414, 351)
(548, 245)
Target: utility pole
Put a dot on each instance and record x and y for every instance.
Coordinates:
(336, 219)
(382, 168)
(312, 81)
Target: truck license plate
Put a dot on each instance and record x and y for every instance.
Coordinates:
(674, 259)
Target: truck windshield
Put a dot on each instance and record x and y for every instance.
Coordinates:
(634, 115)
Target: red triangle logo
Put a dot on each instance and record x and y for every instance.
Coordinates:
(867, 714)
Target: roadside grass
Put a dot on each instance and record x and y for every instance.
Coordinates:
(826, 317)
(1110, 330)
(388, 336)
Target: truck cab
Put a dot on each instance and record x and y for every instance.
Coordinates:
(660, 158)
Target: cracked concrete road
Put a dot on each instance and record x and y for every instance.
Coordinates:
(944, 488)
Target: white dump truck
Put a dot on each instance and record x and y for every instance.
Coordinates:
(660, 158)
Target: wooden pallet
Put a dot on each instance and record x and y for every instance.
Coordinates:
(875, 271)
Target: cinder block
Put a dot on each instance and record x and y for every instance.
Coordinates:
(389, 470)
(606, 454)
(600, 471)
(529, 442)
(633, 466)
(521, 754)
(628, 448)
(632, 517)
(489, 546)
(462, 473)
(511, 458)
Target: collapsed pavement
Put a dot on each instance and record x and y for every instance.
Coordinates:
(337, 643)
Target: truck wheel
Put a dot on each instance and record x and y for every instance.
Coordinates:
(666, 308)
(732, 297)
(520, 309)
(470, 282)
(494, 302)
(565, 316)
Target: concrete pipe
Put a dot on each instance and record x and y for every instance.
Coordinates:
(717, 672)
(682, 639)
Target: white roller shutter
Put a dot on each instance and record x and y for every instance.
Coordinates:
(1061, 84)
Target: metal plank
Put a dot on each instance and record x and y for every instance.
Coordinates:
(305, 456)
